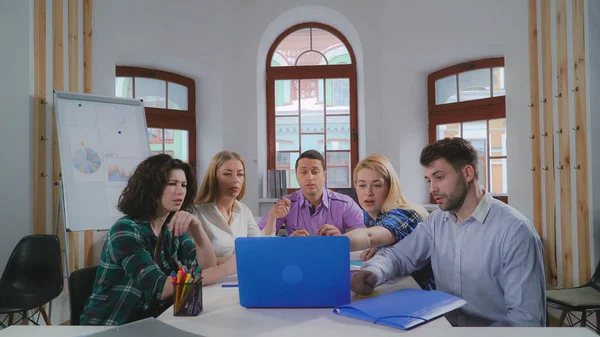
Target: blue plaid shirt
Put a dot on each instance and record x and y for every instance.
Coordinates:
(401, 222)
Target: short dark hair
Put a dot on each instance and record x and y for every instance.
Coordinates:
(140, 199)
(312, 154)
(458, 152)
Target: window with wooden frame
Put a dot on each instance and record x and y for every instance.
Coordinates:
(468, 100)
(311, 102)
(170, 105)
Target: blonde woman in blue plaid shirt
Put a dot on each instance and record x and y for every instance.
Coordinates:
(388, 215)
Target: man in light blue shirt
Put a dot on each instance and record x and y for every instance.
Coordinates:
(481, 249)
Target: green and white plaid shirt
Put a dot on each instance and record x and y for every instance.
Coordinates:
(128, 280)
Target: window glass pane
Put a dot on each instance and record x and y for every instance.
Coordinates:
(329, 45)
(310, 58)
(321, 91)
(172, 142)
(286, 97)
(287, 162)
(291, 47)
(338, 96)
(178, 96)
(312, 114)
(497, 137)
(448, 131)
(313, 142)
(338, 132)
(179, 144)
(498, 174)
(287, 134)
(124, 87)
(169, 136)
(289, 50)
(152, 91)
(155, 136)
(498, 82)
(338, 169)
(474, 84)
(476, 133)
(445, 90)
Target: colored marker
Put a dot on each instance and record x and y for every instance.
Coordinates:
(185, 286)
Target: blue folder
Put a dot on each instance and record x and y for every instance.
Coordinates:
(403, 309)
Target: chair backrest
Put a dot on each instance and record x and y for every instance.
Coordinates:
(81, 285)
(595, 281)
(35, 267)
(349, 192)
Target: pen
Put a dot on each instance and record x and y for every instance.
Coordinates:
(229, 285)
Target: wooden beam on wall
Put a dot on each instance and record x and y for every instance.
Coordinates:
(534, 109)
(57, 84)
(581, 145)
(548, 136)
(73, 87)
(564, 144)
(87, 46)
(87, 88)
(39, 119)
(73, 45)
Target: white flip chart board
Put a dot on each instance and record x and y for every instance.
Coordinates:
(101, 141)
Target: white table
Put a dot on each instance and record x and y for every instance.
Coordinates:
(223, 316)
(76, 331)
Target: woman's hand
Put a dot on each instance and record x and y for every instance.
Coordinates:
(367, 254)
(181, 221)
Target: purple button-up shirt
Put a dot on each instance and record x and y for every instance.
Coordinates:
(335, 209)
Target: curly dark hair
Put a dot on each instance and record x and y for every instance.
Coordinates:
(141, 197)
(458, 152)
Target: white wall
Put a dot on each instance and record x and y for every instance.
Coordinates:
(420, 37)
(16, 128)
(198, 43)
(216, 44)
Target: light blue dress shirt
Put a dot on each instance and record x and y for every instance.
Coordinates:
(493, 260)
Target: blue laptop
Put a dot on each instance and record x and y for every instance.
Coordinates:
(293, 272)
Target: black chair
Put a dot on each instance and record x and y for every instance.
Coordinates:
(351, 193)
(81, 285)
(32, 277)
(584, 299)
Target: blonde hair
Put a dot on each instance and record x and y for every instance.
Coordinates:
(209, 190)
(395, 198)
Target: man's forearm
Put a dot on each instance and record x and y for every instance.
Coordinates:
(384, 265)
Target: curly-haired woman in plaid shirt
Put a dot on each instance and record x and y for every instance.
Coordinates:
(157, 235)
(388, 215)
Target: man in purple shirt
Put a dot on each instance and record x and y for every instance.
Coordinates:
(313, 209)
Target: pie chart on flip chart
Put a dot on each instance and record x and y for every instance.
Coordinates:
(86, 161)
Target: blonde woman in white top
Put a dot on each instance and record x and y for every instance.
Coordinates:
(223, 216)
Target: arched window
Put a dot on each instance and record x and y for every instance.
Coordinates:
(170, 105)
(311, 102)
(467, 100)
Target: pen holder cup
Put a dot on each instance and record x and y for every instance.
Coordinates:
(187, 299)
